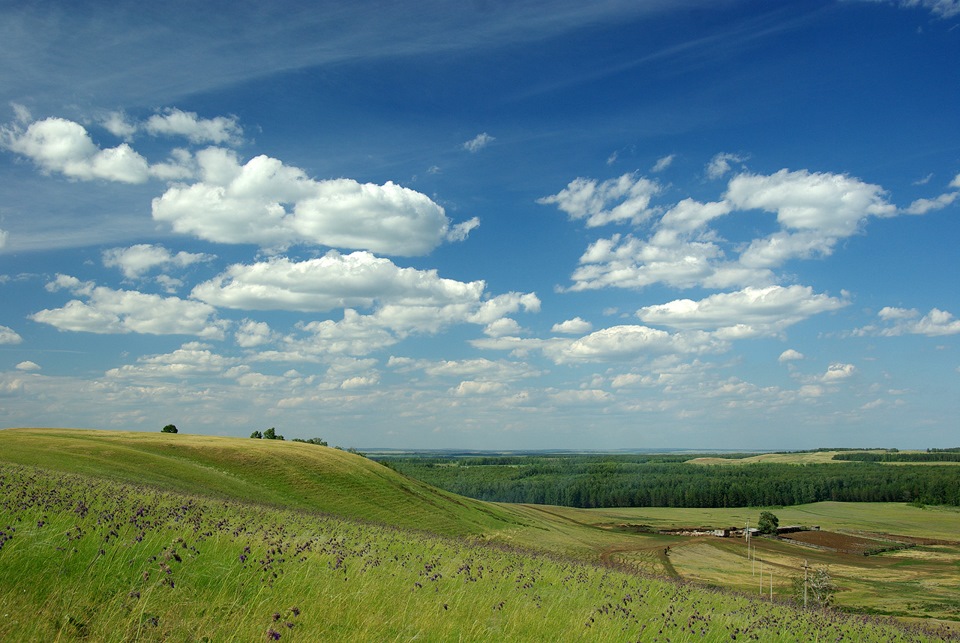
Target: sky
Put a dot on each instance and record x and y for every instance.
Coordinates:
(489, 225)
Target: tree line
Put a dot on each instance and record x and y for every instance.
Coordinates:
(601, 481)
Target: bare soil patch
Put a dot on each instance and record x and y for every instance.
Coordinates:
(844, 543)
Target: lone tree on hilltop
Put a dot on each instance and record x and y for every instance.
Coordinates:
(256, 435)
(768, 523)
(169, 429)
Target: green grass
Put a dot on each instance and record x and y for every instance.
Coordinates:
(287, 474)
(93, 559)
(220, 495)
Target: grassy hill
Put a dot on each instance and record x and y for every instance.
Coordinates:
(136, 536)
(287, 474)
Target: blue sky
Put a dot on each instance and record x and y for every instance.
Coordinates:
(484, 225)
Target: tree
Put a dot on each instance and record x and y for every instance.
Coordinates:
(271, 434)
(317, 441)
(768, 523)
(257, 435)
(169, 429)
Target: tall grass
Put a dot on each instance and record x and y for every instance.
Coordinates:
(86, 558)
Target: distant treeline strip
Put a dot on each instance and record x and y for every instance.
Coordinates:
(939, 455)
(602, 481)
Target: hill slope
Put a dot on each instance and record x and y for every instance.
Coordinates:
(288, 474)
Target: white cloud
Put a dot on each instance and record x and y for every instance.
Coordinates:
(586, 199)
(358, 279)
(762, 311)
(477, 370)
(502, 327)
(175, 122)
(815, 210)
(663, 163)
(274, 205)
(118, 124)
(461, 231)
(251, 334)
(922, 206)
(63, 146)
(478, 142)
(575, 326)
(907, 321)
(9, 336)
(4, 235)
(837, 371)
(720, 164)
(469, 388)
(59, 145)
(136, 260)
(109, 311)
(790, 355)
(28, 366)
(190, 360)
(619, 343)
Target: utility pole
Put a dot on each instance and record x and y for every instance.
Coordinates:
(761, 578)
(805, 567)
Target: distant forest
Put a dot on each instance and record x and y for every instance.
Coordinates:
(933, 455)
(667, 481)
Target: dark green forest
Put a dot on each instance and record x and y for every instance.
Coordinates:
(668, 481)
(941, 455)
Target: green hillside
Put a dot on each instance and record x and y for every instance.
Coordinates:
(287, 474)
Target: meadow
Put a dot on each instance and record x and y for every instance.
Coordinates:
(100, 545)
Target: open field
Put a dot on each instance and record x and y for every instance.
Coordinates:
(290, 483)
(813, 457)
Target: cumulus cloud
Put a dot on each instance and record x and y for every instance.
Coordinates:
(268, 203)
(65, 147)
(837, 371)
(470, 388)
(478, 142)
(59, 145)
(139, 259)
(28, 366)
(624, 199)
(252, 333)
(175, 122)
(358, 279)
(575, 326)
(9, 336)
(790, 355)
(108, 311)
(683, 249)
(814, 209)
(403, 301)
(628, 342)
(191, 359)
(908, 321)
(751, 311)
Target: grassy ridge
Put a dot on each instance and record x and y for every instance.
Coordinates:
(287, 474)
